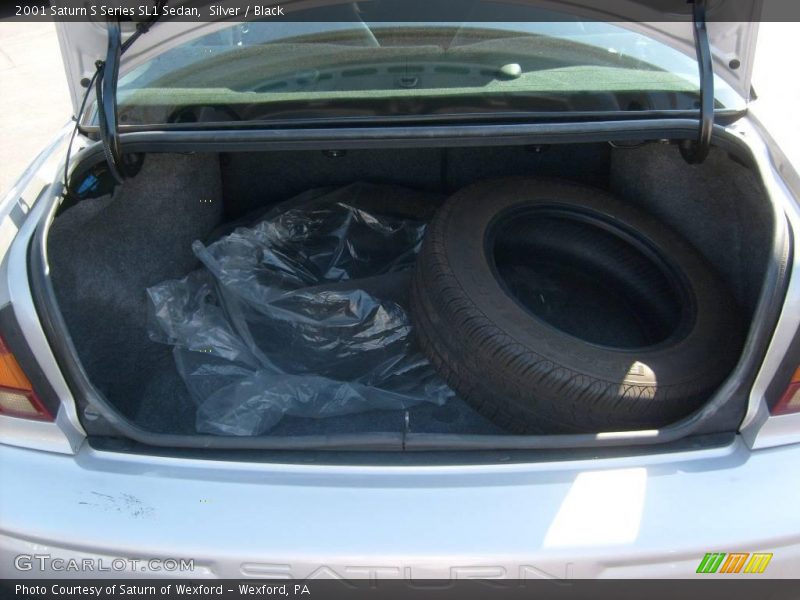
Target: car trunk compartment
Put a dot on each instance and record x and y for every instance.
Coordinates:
(104, 252)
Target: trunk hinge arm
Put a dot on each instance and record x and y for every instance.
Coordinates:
(106, 93)
(695, 151)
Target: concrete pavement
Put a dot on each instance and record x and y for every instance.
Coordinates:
(34, 101)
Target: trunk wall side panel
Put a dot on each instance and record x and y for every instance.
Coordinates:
(105, 252)
(718, 206)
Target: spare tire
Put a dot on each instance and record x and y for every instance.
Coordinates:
(551, 307)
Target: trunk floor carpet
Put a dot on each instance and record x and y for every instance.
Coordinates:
(111, 249)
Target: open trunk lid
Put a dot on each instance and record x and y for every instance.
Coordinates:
(732, 30)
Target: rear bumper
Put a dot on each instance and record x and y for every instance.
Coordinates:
(653, 516)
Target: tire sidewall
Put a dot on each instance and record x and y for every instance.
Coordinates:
(713, 319)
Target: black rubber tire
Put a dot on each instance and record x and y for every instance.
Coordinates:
(530, 377)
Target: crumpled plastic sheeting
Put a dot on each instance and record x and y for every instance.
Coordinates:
(299, 314)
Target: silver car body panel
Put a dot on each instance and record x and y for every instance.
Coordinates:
(20, 213)
(759, 428)
(653, 516)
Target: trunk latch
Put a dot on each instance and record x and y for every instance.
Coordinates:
(695, 151)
